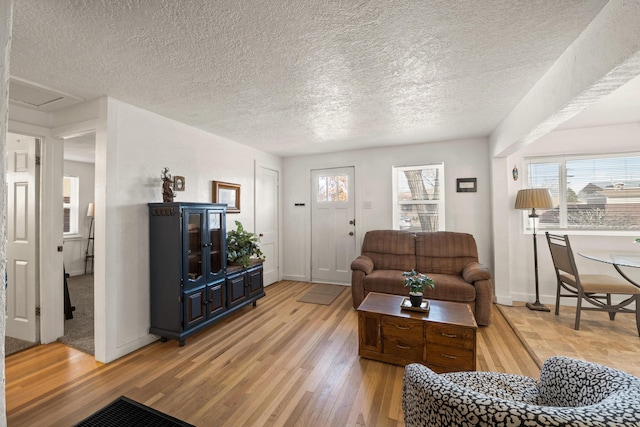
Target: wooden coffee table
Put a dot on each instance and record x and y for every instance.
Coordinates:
(444, 339)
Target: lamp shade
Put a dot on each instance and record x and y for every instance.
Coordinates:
(537, 198)
(90, 210)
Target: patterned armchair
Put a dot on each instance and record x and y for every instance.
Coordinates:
(569, 393)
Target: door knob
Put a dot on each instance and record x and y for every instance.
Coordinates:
(260, 235)
(352, 222)
(351, 233)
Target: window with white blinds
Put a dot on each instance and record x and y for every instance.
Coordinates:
(70, 204)
(600, 193)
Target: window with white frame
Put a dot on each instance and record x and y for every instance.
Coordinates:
(418, 197)
(71, 204)
(591, 193)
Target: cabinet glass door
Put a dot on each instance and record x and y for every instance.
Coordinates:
(217, 243)
(195, 246)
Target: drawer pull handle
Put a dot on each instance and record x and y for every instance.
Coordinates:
(448, 356)
(404, 347)
(449, 335)
(404, 328)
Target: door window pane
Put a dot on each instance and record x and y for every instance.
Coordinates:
(333, 188)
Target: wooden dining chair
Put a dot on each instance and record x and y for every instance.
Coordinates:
(596, 289)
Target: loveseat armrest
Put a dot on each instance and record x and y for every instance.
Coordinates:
(475, 271)
(479, 276)
(363, 263)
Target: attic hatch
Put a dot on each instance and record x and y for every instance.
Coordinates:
(37, 97)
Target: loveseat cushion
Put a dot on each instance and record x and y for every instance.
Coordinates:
(390, 249)
(385, 282)
(450, 288)
(444, 252)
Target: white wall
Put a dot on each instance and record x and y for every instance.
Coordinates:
(132, 147)
(75, 248)
(519, 283)
(465, 212)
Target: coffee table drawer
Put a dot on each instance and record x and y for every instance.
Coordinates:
(451, 335)
(404, 349)
(403, 328)
(451, 357)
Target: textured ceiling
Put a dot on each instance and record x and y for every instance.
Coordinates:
(302, 76)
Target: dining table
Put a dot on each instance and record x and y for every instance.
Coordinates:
(617, 259)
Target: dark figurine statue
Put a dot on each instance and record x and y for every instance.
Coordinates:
(167, 186)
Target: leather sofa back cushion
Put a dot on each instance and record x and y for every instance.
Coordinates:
(390, 249)
(444, 252)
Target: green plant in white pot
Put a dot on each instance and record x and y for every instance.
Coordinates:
(417, 283)
(242, 245)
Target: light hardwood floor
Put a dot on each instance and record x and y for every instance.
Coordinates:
(281, 363)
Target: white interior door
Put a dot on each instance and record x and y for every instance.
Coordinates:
(267, 221)
(21, 238)
(333, 240)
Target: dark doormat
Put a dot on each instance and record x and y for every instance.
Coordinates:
(126, 412)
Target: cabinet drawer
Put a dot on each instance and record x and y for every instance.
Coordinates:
(451, 357)
(451, 336)
(406, 329)
(404, 349)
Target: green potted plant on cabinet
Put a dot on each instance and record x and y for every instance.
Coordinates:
(241, 246)
(417, 283)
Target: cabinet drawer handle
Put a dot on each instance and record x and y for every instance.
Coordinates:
(404, 328)
(449, 335)
(448, 356)
(404, 347)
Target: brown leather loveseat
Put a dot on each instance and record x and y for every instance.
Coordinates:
(449, 258)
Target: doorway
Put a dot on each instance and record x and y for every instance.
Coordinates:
(333, 225)
(79, 197)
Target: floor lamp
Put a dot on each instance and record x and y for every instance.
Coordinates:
(532, 198)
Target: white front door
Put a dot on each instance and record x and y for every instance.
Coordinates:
(333, 240)
(267, 221)
(22, 238)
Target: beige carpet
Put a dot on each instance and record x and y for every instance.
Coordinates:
(600, 340)
(322, 294)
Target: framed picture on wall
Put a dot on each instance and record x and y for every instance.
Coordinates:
(466, 185)
(225, 192)
(178, 183)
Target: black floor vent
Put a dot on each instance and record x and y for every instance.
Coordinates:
(126, 412)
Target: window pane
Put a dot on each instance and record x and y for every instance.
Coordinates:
(418, 217)
(418, 184)
(419, 198)
(599, 193)
(322, 188)
(605, 193)
(70, 204)
(333, 188)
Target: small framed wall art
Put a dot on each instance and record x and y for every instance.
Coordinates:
(225, 192)
(466, 185)
(178, 183)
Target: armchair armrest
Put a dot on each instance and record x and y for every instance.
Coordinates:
(362, 263)
(475, 271)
